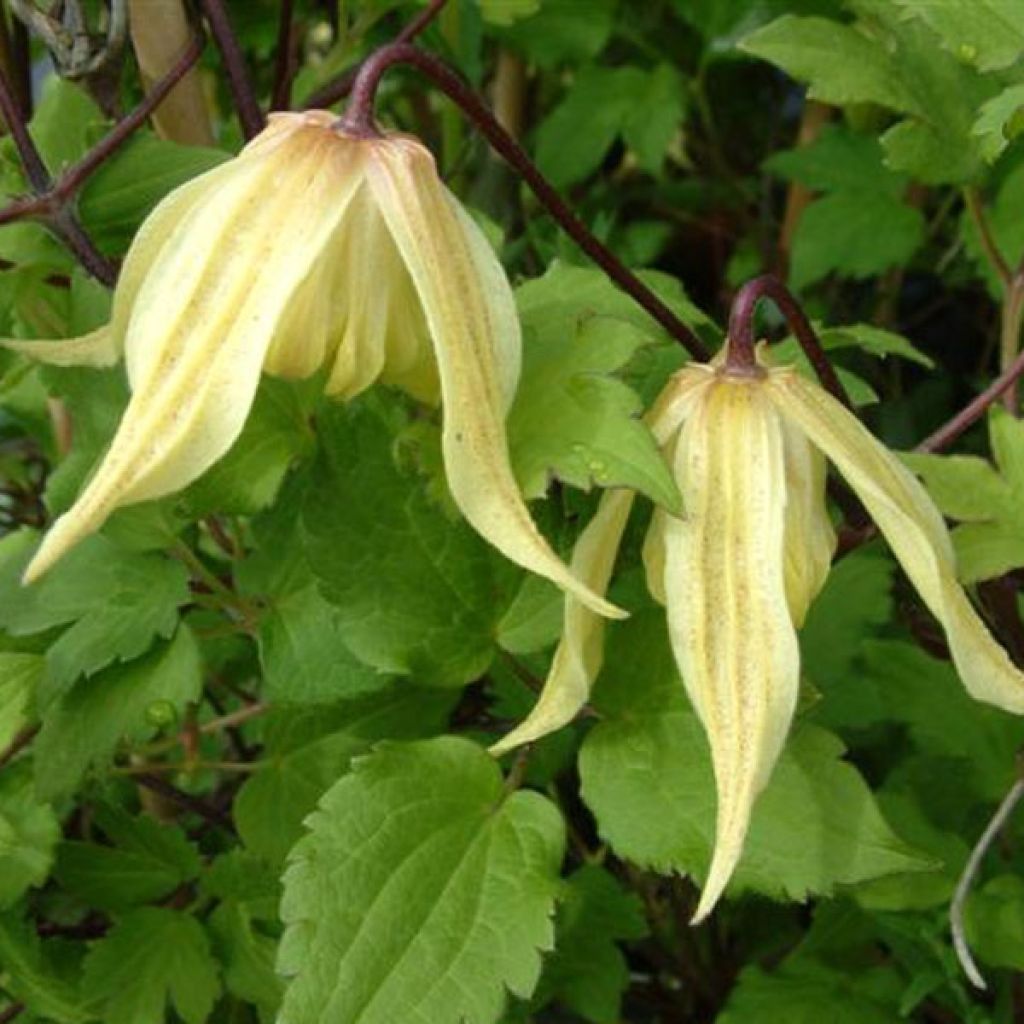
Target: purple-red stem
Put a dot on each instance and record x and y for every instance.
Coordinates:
(284, 61)
(57, 194)
(358, 120)
(342, 85)
(741, 353)
(250, 117)
(62, 222)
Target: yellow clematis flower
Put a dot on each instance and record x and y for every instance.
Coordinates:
(314, 248)
(737, 573)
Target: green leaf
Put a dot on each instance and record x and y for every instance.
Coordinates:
(29, 831)
(1000, 121)
(646, 774)
(64, 123)
(248, 958)
(119, 196)
(43, 984)
(855, 234)
(152, 957)
(985, 498)
(19, 677)
(840, 64)
(508, 12)
(146, 861)
(115, 603)
(804, 993)
(995, 922)
(533, 620)
(84, 726)
(927, 696)
(564, 30)
(572, 420)
(303, 658)
(576, 136)
(415, 592)
(839, 160)
(987, 33)
(656, 116)
(306, 752)
(854, 606)
(423, 891)
(587, 972)
(247, 479)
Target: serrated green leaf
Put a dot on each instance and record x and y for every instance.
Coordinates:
(305, 752)
(242, 877)
(1000, 121)
(564, 30)
(656, 116)
(587, 972)
(124, 189)
(986, 33)
(148, 860)
(19, 677)
(986, 498)
(804, 993)
(840, 64)
(854, 234)
(440, 890)
(572, 420)
(64, 123)
(533, 620)
(84, 726)
(115, 603)
(248, 958)
(152, 957)
(415, 591)
(646, 775)
(839, 160)
(303, 658)
(29, 831)
(46, 987)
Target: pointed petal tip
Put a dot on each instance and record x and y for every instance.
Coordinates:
(723, 863)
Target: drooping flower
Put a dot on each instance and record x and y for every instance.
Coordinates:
(314, 248)
(739, 570)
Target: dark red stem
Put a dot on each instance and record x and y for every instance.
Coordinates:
(342, 85)
(741, 343)
(358, 120)
(250, 116)
(62, 222)
(284, 67)
(974, 410)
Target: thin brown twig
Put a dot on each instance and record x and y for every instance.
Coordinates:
(358, 120)
(13, 1011)
(976, 211)
(184, 800)
(18, 744)
(974, 410)
(247, 106)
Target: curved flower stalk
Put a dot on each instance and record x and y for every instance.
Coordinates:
(747, 444)
(314, 248)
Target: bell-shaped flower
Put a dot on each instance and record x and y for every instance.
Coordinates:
(738, 571)
(313, 249)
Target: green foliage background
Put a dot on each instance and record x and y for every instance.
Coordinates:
(245, 775)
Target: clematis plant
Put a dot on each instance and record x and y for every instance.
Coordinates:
(747, 444)
(316, 248)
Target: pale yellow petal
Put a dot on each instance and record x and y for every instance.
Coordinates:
(665, 418)
(810, 537)
(580, 651)
(205, 316)
(465, 315)
(914, 528)
(97, 348)
(728, 622)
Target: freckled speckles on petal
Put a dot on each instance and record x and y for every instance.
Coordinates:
(474, 333)
(725, 594)
(914, 529)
